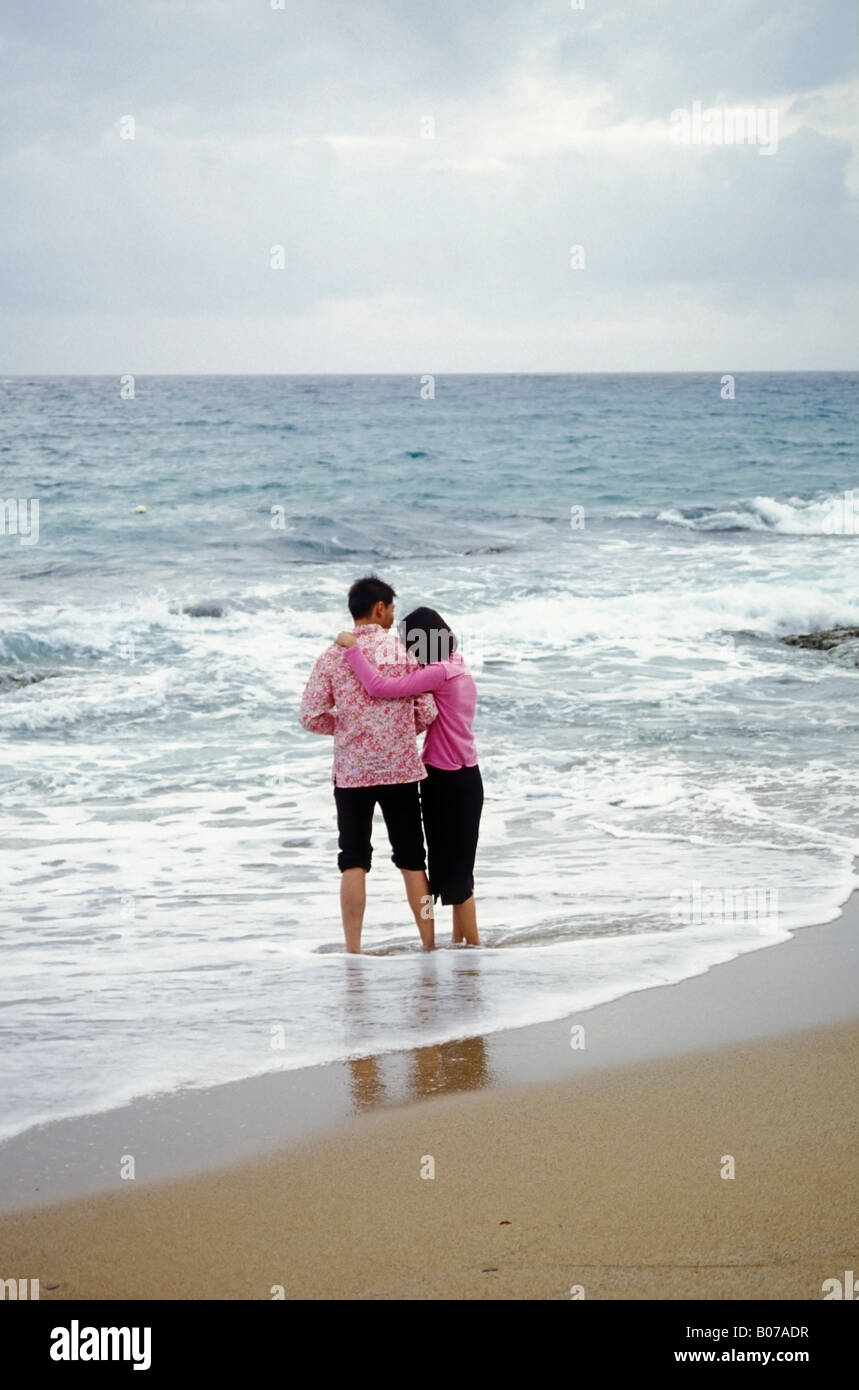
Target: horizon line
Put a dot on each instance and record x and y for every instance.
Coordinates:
(593, 371)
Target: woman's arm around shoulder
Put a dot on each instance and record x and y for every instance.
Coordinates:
(423, 678)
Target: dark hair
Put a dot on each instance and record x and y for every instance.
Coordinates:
(427, 636)
(366, 593)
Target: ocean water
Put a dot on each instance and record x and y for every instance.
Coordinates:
(668, 785)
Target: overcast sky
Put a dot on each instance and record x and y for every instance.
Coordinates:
(304, 127)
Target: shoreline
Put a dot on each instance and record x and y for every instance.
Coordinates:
(710, 1176)
(810, 981)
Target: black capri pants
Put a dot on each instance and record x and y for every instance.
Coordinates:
(451, 803)
(400, 805)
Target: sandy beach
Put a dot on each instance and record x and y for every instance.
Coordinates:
(612, 1184)
(607, 1182)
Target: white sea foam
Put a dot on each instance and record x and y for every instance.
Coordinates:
(836, 515)
(685, 614)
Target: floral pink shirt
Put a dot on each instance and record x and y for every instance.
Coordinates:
(374, 740)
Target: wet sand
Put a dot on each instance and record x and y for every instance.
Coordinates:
(440, 1174)
(613, 1185)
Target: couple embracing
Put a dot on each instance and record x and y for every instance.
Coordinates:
(375, 695)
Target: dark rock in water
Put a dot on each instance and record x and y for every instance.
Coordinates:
(823, 641)
(204, 610)
(840, 643)
(10, 680)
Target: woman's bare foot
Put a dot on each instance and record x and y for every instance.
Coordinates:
(465, 923)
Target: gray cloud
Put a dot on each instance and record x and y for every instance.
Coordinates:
(257, 127)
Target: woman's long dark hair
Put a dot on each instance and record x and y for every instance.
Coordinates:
(427, 636)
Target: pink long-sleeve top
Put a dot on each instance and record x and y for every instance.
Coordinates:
(449, 742)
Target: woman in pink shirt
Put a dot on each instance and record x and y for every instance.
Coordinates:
(452, 792)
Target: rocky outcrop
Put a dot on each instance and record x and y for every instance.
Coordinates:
(204, 610)
(842, 643)
(824, 641)
(11, 680)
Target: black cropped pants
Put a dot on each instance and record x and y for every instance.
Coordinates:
(451, 804)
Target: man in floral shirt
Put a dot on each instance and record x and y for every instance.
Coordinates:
(375, 759)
